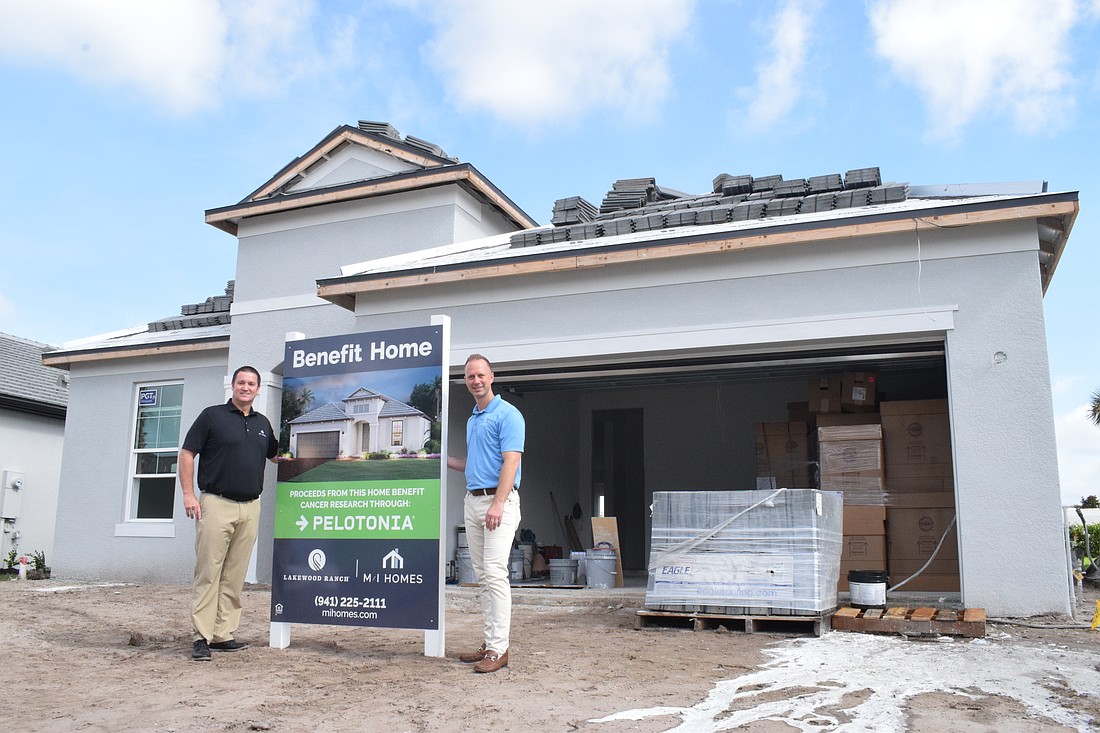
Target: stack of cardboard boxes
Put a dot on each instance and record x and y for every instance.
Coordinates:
(920, 480)
(892, 462)
(851, 461)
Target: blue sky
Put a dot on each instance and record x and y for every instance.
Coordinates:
(124, 120)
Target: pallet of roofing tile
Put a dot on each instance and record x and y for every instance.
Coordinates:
(760, 552)
(912, 622)
(750, 623)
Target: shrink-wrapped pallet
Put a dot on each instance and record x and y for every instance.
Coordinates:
(772, 553)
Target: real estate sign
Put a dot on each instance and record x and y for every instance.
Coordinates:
(357, 517)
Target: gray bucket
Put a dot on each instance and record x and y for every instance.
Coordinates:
(462, 541)
(600, 567)
(580, 556)
(466, 574)
(563, 571)
(515, 565)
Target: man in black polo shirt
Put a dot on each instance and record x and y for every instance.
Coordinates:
(233, 442)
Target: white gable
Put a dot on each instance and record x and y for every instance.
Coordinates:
(349, 164)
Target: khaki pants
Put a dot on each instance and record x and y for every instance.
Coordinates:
(490, 552)
(223, 548)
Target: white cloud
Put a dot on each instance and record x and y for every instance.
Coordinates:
(537, 63)
(184, 55)
(778, 85)
(980, 57)
(1078, 455)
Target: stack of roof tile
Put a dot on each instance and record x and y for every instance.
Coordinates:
(573, 210)
(214, 311)
(639, 204)
(862, 178)
(384, 129)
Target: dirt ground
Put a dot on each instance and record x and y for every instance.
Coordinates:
(88, 657)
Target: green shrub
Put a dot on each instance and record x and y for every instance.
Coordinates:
(1077, 540)
(379, 455)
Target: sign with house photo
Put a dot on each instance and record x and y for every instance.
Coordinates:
(357, 515)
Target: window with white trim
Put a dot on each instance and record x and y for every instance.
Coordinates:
(397, 431)
(155, 451)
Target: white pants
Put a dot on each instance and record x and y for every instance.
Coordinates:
(490, 553)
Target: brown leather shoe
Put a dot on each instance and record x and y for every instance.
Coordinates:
(492, 662)
(471, 657)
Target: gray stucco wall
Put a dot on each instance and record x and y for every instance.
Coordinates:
(975, 288)
(96, 464)
(31, 445)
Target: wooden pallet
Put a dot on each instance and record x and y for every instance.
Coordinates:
(923, 621)
(748, 623)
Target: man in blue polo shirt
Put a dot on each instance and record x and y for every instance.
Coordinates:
(494, 447)
(233, 442)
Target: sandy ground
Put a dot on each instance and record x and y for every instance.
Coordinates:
(87, 657)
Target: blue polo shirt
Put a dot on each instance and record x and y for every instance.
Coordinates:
(489, 434)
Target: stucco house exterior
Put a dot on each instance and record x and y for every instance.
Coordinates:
(644, 339)
(363, 422)
(33, 400)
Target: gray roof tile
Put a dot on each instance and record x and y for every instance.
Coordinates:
(24, 378)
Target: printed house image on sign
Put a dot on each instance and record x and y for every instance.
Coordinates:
(364, 422)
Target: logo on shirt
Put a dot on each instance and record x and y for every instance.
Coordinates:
(262, 433)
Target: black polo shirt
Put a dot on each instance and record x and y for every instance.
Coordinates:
(233, 449)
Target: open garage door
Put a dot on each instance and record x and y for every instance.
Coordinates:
(605, 435)
(319, 445)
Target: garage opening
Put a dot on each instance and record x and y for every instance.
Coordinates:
(607, 436)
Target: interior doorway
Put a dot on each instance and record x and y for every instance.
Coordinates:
(618, 479)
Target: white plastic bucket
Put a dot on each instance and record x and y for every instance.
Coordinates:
(600, 567)
(466, 574)
(515, 564)
(580, 556)
(563, 571)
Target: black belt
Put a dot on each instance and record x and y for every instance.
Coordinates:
(233, 498)
(485, 492)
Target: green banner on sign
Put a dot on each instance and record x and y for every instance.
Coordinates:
(358, 510)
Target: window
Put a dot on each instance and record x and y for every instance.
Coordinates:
(397, 429)
(360, 408)
(155, 451)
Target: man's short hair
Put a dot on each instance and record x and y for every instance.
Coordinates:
(249, 369)
(476, 357)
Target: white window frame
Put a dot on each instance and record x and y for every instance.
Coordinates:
(133, 526)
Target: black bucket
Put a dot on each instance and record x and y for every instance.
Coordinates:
(867, 588)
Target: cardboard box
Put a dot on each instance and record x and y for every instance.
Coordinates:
(916, 436)
(914, 525)
(920, 485)
(861, 519)
(850, 460)
(864, 543)
(833, 419)
(824, 395)
(866, 551)
(782, 452)
(857, 392)
(930, 580)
